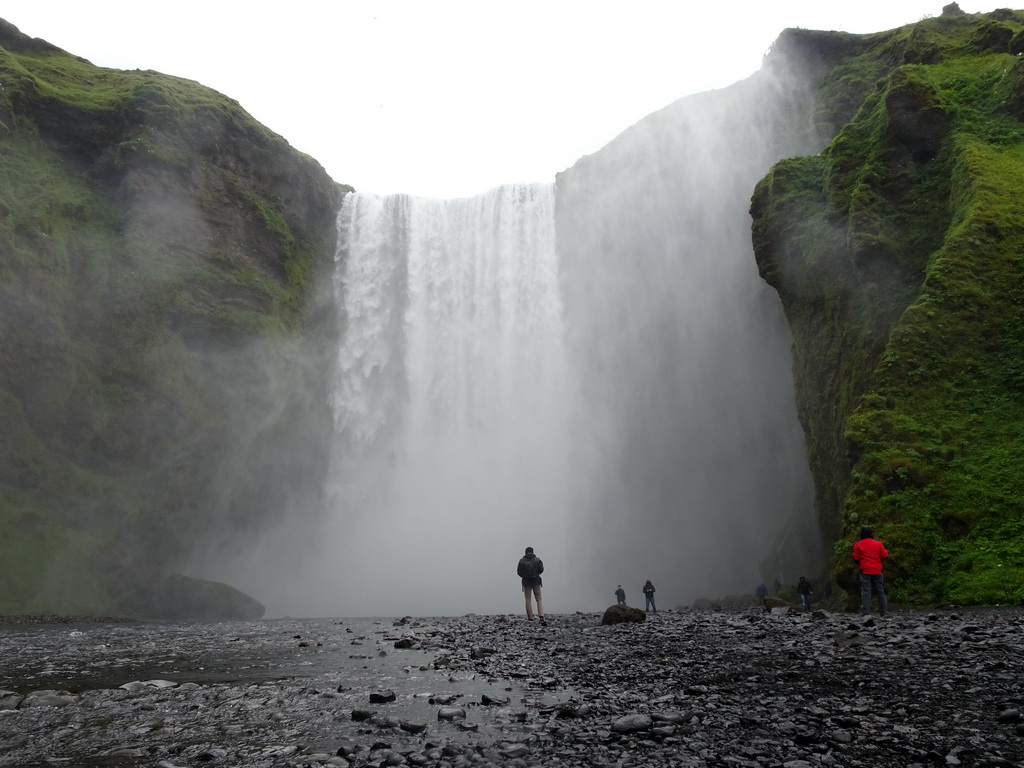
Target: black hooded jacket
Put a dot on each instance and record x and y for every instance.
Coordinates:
(529, 570)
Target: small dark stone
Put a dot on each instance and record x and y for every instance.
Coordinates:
(451, 713)
(567, 712)
(632, 723)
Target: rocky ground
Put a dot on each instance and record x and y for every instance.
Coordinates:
(698, 688)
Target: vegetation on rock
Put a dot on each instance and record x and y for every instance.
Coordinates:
(899, 256)
(158, 247)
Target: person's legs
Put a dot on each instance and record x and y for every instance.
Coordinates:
(528, 593)
(883, 601)
(540, 603)
(865, 595)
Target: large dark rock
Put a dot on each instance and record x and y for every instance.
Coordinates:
(623, 614)
(182, 598)
(771, 602)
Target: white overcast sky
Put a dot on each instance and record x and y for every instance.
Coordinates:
(447, 98)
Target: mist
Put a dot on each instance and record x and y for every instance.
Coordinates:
(592, 368)
(698, 467)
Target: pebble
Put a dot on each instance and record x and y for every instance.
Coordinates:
(685, 688)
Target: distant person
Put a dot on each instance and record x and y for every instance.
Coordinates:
(649, 597)
(869, 553)
(620, 595)
(804, 592)
(762, 591)
(529, 570)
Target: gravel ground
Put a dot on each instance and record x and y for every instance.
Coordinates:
(699, 688)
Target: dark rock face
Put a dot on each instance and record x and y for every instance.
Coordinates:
(623, 614)
(917, 123)
(181, 598)
(992, 36)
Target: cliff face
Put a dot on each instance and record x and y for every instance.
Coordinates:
(897, 252)
(158, 252)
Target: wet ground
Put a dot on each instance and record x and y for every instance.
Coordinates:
(687, 689)
(80, 657)
(129, 694)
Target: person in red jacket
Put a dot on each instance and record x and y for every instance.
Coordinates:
(869, 553)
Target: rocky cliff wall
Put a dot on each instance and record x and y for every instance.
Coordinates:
(897, 252)
(159, 252)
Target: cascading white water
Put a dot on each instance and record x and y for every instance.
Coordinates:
(451, 400)
(622, 402)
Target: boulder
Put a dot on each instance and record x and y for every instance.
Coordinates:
(182, 598)
(771, 603)
(623, 614)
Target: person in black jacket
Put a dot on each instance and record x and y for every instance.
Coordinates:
(649, 598)
(804, 592)
(529, 570)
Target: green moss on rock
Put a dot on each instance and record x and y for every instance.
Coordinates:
(898, 254)
(156, 243)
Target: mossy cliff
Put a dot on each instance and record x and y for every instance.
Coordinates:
(898, 252)
(158, 252)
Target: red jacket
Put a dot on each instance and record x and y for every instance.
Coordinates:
(869, 554)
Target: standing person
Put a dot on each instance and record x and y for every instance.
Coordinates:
(869, 553)
(529, 570)
(804, 592)
(649, 597)
(762, 591)
(620, 595)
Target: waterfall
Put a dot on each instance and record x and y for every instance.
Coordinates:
(451, 399)
(592, 368)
